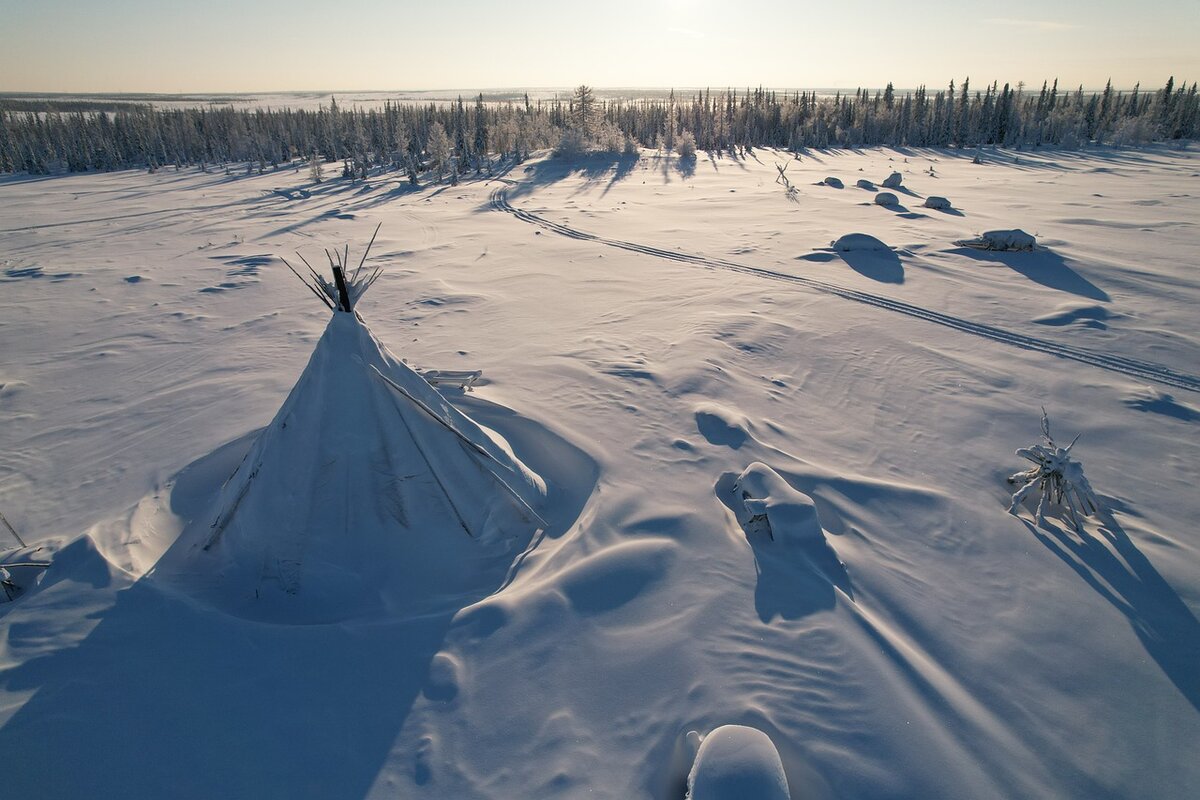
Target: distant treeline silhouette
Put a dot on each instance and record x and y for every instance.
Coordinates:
(457, 136)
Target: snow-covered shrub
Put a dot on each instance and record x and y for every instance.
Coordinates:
(608, 138)
(893, 181)
(1015, 239)
(886, 199)
(863, 183)
(836, 183)
(685, 145)
(1056, 475)
(572, 143)
(857, 242)
(936, 202)
(1133, 131)
(629, 145)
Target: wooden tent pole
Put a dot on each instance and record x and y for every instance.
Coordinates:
(343, 295)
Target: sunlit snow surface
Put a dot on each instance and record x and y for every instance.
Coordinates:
(647, 330)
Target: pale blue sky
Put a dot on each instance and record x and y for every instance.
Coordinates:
(272, 45)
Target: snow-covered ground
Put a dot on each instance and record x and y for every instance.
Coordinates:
(648, 329)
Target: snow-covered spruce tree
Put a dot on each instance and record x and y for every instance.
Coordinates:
(437, 146)
(672, 122)
(583, 111)
(316, 173)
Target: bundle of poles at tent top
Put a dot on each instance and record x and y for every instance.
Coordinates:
(343, 293)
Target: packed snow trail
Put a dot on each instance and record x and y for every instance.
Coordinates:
(1127, 366)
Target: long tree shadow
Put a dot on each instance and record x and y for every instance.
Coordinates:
(1040, 266)
(593, 167)
(1118, 571)
(165, 696)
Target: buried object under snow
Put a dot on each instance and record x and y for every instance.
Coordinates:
(852, 242)
(892, 181)
(936, 202)
(836, 183)
(886, 199)
(1015, 239)
(735, 762)
(771, 505)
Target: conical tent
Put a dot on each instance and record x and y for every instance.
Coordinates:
(368, 490)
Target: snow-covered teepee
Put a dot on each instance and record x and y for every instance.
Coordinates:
(367, 491)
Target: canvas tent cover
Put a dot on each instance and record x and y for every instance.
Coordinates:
(361, 494)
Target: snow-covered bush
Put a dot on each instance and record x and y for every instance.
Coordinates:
(893, 181)
(1056, 475)
(863, 183)
(1015, 239)
(609, 138)
(886, 199)
(685, 145)
(572, 143)
(836, 183)
(1133, 131)
(936, 202)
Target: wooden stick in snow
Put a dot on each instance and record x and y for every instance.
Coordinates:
(12, 530)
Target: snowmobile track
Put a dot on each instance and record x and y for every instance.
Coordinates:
(1133, 368)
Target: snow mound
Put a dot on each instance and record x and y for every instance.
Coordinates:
(852, 242)
(836, 183)
(886, 199)
(863, 183)
(1087, 315)
(737, 763)
(1015, 239)
(771, 505)
(936, 202)
(893, 181)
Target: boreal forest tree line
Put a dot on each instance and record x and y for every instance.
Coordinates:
(450, 138)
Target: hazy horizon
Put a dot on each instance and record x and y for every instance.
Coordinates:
(218, 47)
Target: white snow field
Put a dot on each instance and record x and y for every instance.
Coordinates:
(647, 330)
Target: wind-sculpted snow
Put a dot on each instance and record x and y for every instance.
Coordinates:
(775, 481)
(1132, 367)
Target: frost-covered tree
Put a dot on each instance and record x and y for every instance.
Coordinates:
(437, 146)
(686, 145)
